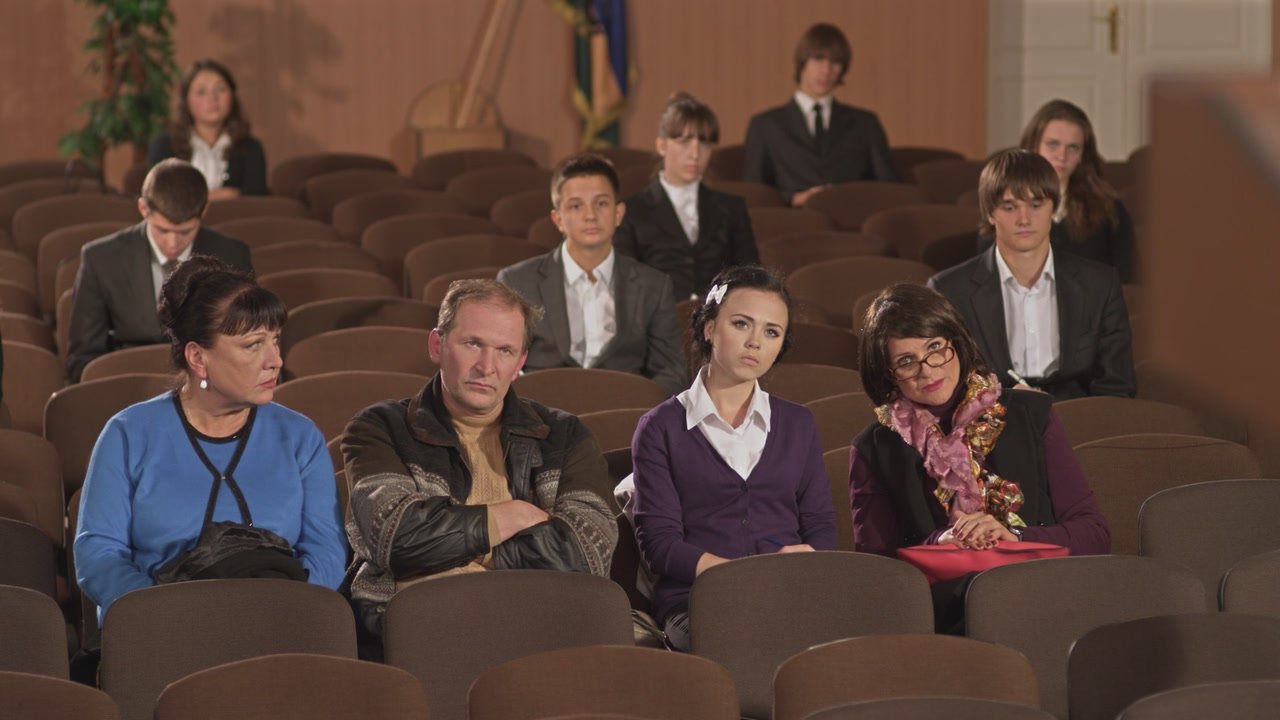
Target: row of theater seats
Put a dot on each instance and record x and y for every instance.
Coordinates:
(781, 636)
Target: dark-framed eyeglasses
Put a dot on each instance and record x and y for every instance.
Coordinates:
(911, 369)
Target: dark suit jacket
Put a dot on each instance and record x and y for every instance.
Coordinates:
(781, 152)
(246, 163)
(651, 233)
(115, 303)
(648, 338)
(1095, 351)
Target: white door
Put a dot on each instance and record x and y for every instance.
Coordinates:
(1099, 54)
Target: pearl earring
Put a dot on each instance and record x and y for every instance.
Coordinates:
(204, 384)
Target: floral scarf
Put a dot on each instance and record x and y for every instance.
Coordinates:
(955, 460)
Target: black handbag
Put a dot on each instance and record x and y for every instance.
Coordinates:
(228, 549)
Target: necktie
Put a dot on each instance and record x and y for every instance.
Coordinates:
(819, 127)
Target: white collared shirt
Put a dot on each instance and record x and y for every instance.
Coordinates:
(685, 201)
(1061, 213)
(211, 160)
(590, 306)
(1031, 320)
(806, 104)
(740, 447)
(158, 260)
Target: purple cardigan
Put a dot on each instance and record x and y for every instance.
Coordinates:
(688, 501)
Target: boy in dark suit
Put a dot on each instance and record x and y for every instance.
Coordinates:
(603, 310)
(813, 141)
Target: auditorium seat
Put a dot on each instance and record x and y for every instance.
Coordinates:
(948, 251)
(259, 232)
(515, 214)
(1112, 666)
(297, 287)
(28, 558)
(18, 269)
(944, 181)
(822, 345)
(39, 218)
(35, 697)
(1124, 471)
(433, 172)
(392, 238)
(31, 375)
(836, 283)
(17, 327)
(849, 204)
(15, 298)
(289, 177)
(332, 399)
(634, 180)
(545, 234)
(931, 708)
(156, 635)
(613, 429)
(608, 682)
(768, 223)
(840, 418)
(252, 206)
(1119, 173)
(75, 416)
(488, 618)
(726, 163)
(1208, 527)
(145, 359)
(625, 157)
(14, 172)
(788, 252)
(804, 382)
(585, 390)
(16, 504)
(65, 278)
(756, 195)
(911, 228)
(307, 254)
(352, 216)
(1250, 586)
(464, 252)
(898, 666)
(31, 466)
(62, 324)
(385, 349)
(323, 192)
(33, 635)
(480, 189)
(751, 614)
(1041, 607)
(294, 685)
(437, 287)
(836, 462)
(1248, 700)
(15, 195)
(1102, 416)
(313, 318)
(61, 245)
(905, 159)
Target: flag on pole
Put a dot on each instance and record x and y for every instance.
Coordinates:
(600, 66)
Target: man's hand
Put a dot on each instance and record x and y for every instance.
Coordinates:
(514, 516)
(799, 198)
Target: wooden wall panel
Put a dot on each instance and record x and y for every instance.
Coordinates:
(336, 75)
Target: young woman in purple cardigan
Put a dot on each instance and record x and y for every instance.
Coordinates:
(723, 470)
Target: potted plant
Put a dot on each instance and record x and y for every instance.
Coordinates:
(133, 53)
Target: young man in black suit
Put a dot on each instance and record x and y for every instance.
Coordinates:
(679, 225)
(1053, 321)
(118, 285)
(812, 142)
(602, 309)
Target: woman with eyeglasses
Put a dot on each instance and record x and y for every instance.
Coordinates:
(954, 458)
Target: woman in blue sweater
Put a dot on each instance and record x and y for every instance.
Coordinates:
(153, 469)
(723, 470)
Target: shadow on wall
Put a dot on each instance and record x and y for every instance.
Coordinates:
(280, 53)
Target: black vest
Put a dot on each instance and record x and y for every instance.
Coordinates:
(1018, 457)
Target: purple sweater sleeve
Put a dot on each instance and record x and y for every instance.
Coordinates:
(814, 499)
(659, 518)
(1080, 526)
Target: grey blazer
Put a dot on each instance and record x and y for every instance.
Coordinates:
(1095, 345)
(115, 304)
(648, 338)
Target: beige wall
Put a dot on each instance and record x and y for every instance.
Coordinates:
(337, 75)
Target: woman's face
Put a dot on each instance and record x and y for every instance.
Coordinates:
(685, 158)
(746, 336)
(911, 361)
(1062, 144)
(243, 369)
(209, 99)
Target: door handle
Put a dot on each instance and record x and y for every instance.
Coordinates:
(1112, 19)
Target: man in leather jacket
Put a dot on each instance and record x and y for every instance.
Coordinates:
(467, 476)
